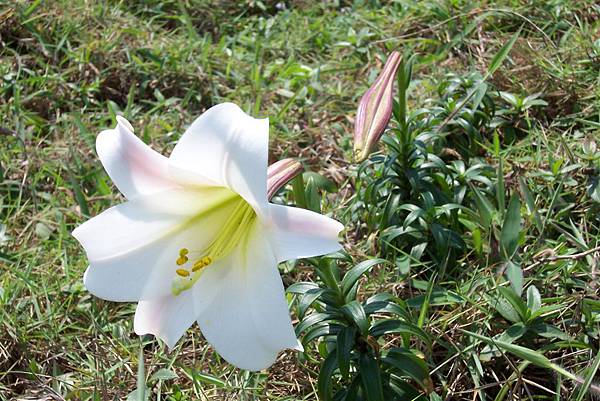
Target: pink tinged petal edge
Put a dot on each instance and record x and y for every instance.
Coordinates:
(229, 148)
(299, 233)
(248, 321)
(375, 109)
(168, 317)
(132, 165)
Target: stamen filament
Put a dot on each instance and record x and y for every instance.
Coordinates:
(227, 239)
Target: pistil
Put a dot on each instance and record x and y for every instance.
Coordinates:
(233, 232)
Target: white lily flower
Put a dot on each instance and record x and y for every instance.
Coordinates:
(197, 239)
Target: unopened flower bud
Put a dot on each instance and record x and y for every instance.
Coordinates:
(280, 173)
(375, 109)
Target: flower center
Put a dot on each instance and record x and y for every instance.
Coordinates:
(191, 264)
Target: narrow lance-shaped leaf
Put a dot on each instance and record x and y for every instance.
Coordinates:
(525, 353)
(502, 54)
(371, 377)
(325, 376)
(345, 342)
(355, 312)
(511, 229)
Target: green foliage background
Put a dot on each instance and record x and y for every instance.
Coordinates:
(523, 268)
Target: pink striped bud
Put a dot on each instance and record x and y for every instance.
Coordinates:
(375, 109)
(280, 173)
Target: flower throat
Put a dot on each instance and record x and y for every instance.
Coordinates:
(230, 235)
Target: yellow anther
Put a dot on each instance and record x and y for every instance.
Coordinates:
(232, 233)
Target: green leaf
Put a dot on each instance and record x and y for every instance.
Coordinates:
(534, 299)
(425, 305)
(328, 272)
(511, 229)
(502, 54)
(299, 191)
(527, 354)
(207, 378)
(187, 20)
(500, 188)
(386, 304)
(524, 353)
(548, 309)
(397, 326)
(504, 308)
(137, 394)
(163, 374)
(484, 207)
(529, 201)
(32, 7)
(516, 301)
(85, 133)
(510, 335)
(325, 375)
(352, 393)
(321, 330)
(42, 231)
(405, 363)
(79, 196)
(320, 181)
(355, 312)
(301, 287)
(371, 377)
(435, 397)
(313, 197)
(345, 343)
(548, 331)
(515, 276)
(591, 374)
(311, 320)
(352, 276)
(308, 298)
(480, 91)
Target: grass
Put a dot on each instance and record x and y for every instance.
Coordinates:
(68, 68)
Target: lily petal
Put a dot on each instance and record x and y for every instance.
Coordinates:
(299, 233)
(132, 247)
(167, 317)
(132, 165)
(228, 147)
(133, 224)
(248, 322)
